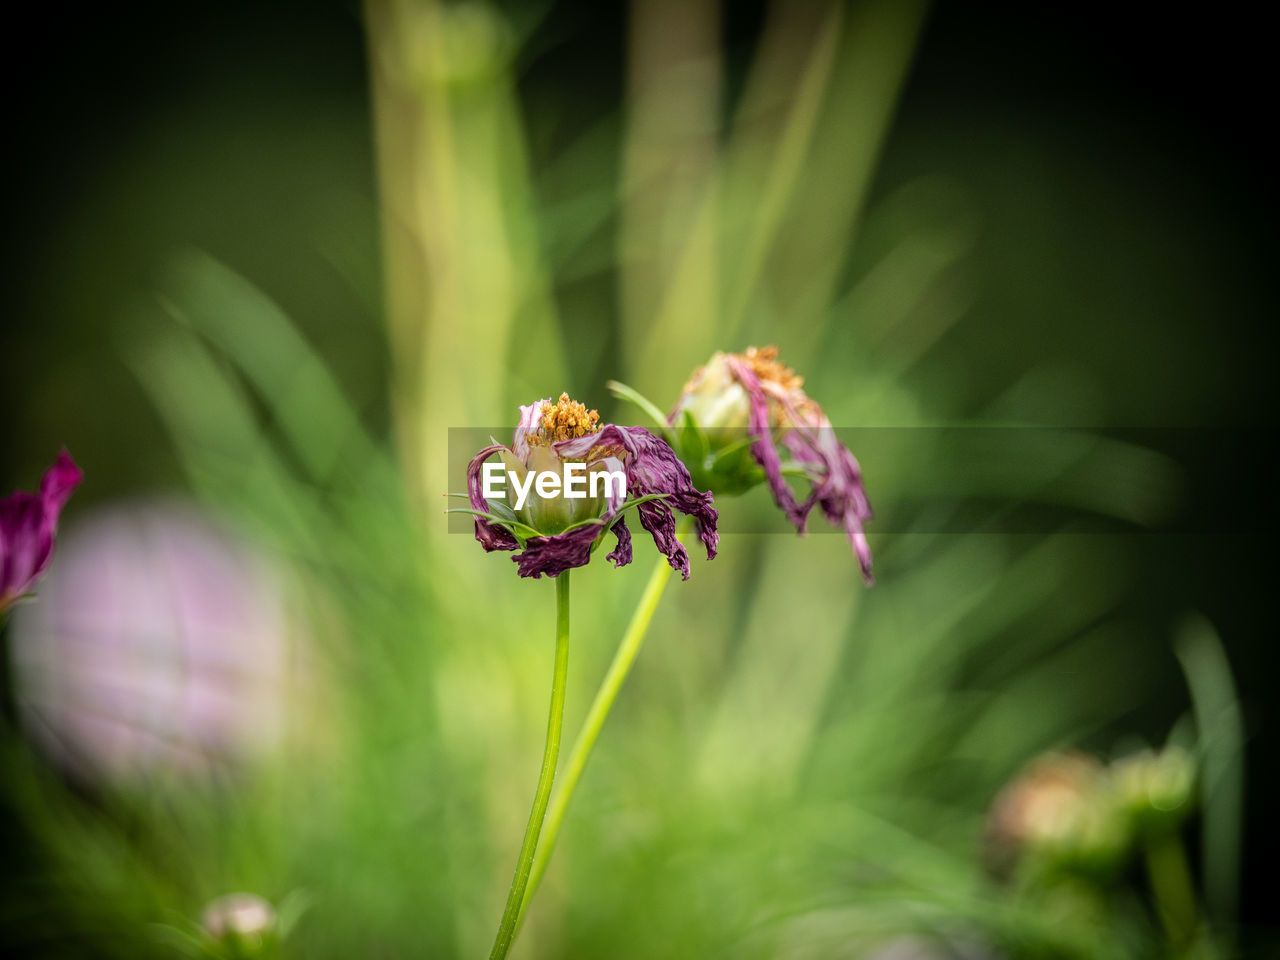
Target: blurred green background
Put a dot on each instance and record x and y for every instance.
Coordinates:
(261, 257)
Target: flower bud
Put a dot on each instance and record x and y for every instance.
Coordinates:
(1057, 814)
(713, 398)
(1155, 790)
(243, 924)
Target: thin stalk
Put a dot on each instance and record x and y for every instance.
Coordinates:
(1173, 890)
(515, 899)
(632, 641)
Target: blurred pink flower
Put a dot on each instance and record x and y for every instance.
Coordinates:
(160, 643)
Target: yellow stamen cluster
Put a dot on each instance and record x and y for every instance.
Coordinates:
(764, 363)
(564, 420)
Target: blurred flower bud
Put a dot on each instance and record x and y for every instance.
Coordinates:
(1155, 790)
(243, 924)
(158, 645)
(1057, 814)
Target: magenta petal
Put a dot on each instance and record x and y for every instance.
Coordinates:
(24, 545)
(27, 527)
(59, 482)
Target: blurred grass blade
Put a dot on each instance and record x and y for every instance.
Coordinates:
(216, 433)
(1221, 726)
(461, 252)
(807, 200)
(671, 160)
(305, 399)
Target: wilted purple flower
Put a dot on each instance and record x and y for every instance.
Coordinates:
(28, 523)
(556, 533)
(752, 390)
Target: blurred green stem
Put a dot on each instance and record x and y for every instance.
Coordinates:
(1173, 890)
(632, 641)
(515, 899)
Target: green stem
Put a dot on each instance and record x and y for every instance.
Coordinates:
(632, 641)
(1173, 890)
(515, 899)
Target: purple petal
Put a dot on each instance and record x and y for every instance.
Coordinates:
(812, 442)
(612, 465)
(656, 517)
(491, 536)
(763, 450)
(621, 554)
(838, 486)
(653, 467)
(842, 494)
(554, 555)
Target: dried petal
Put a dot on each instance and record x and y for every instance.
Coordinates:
(621, 554)
(776, 399)
(652, 467)
(554, 555)
(491, 536)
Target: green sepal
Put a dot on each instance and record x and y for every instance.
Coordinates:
(511, 526)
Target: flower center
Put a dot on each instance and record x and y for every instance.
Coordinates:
(564, 420)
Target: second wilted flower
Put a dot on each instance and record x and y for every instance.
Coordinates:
(736, 420)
